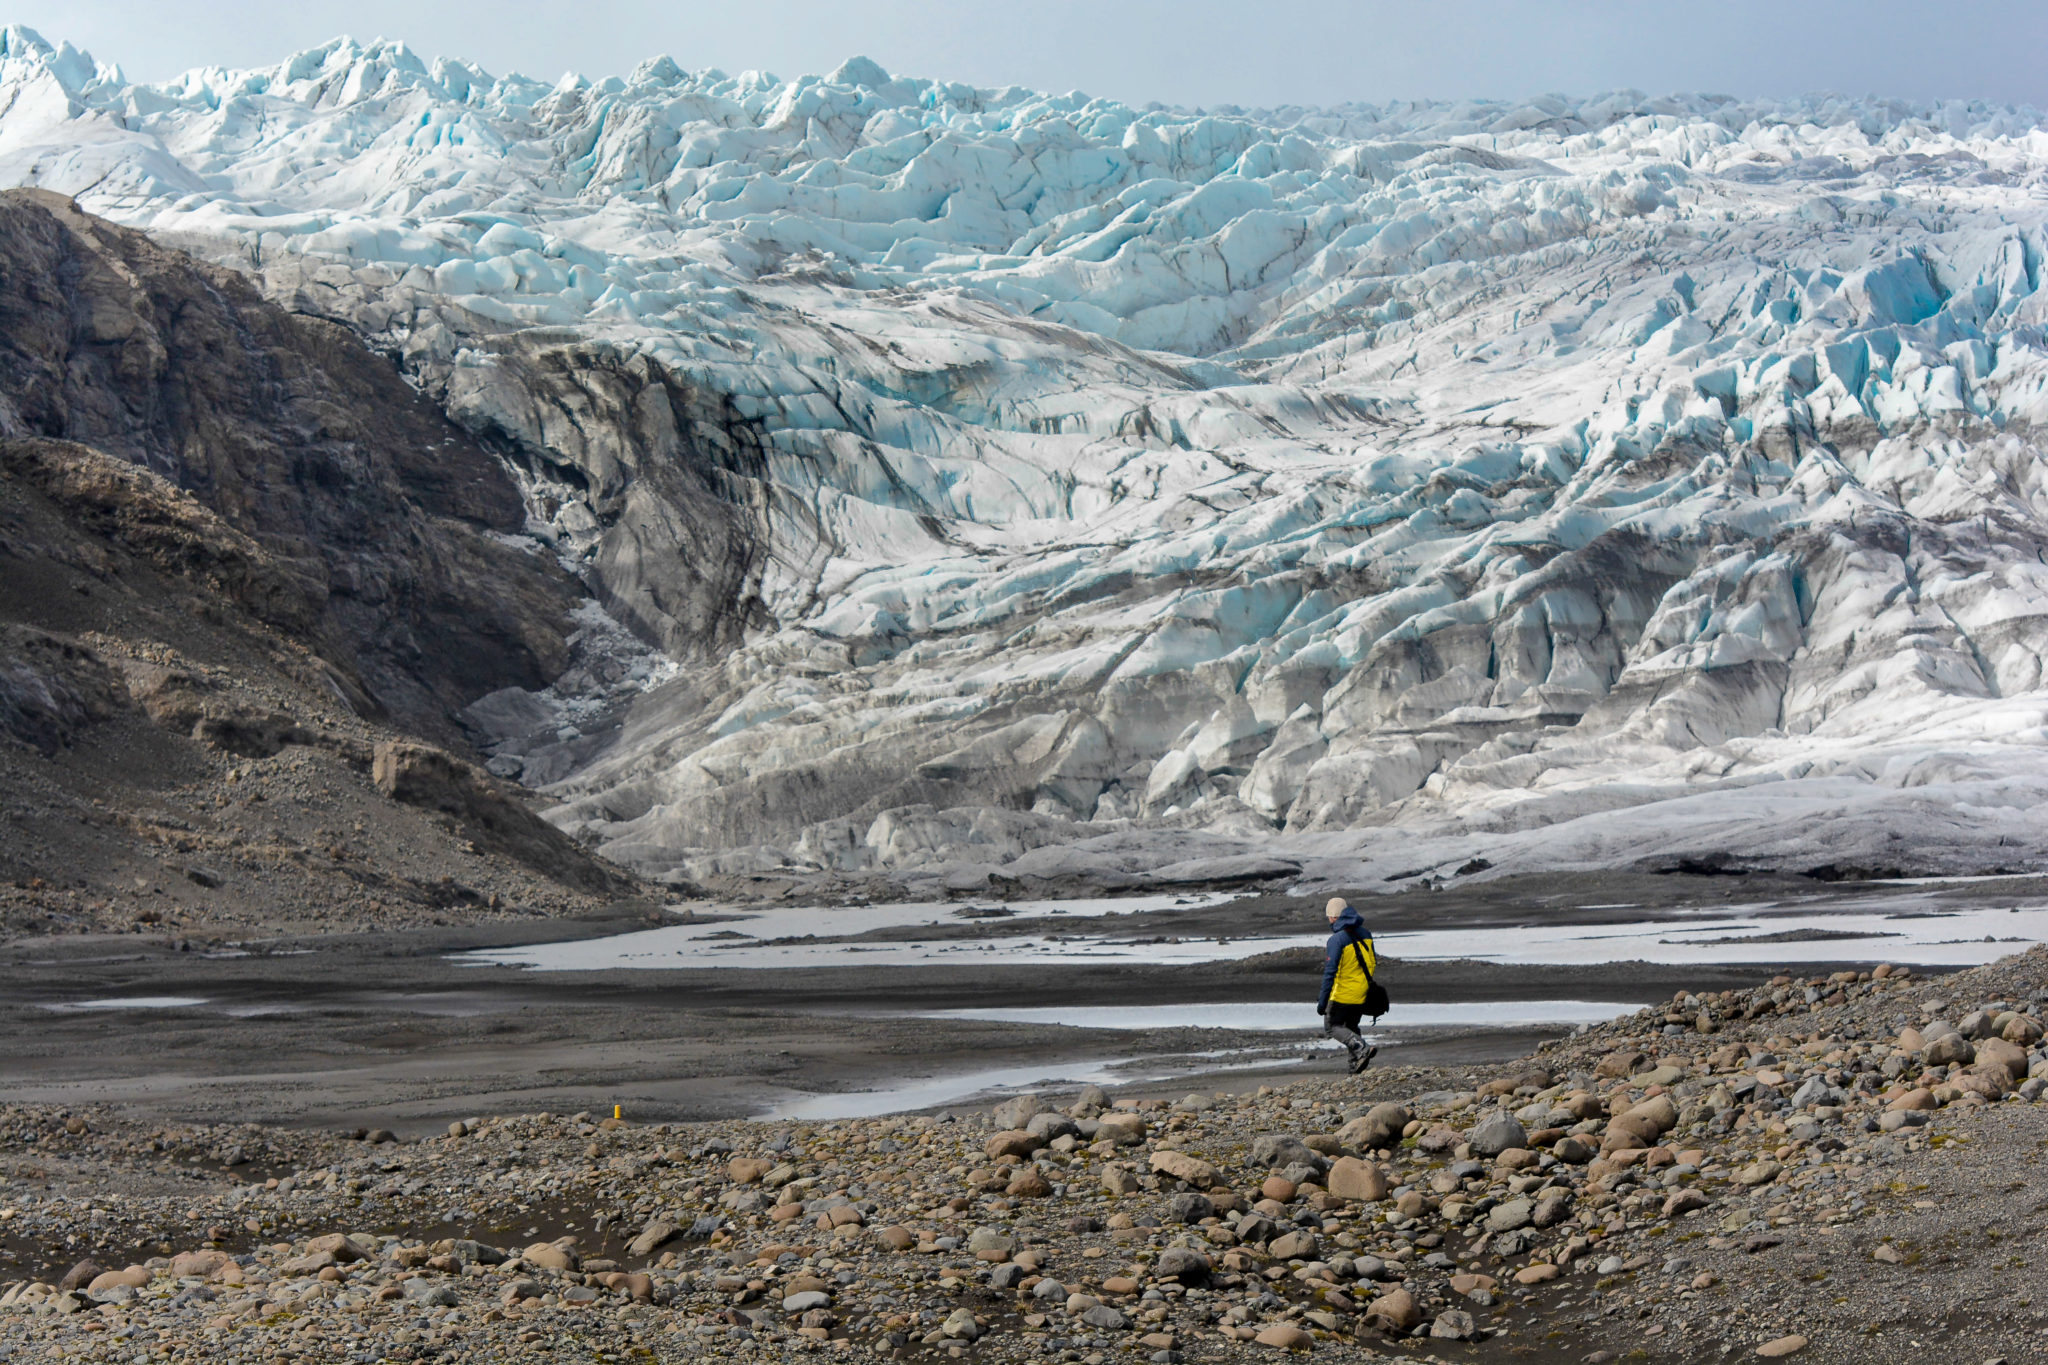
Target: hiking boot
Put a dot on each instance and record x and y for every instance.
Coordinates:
(1361, 1060)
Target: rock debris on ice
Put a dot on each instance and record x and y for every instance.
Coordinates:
(1035, 485)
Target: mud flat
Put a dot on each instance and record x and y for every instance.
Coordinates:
(938, 1005)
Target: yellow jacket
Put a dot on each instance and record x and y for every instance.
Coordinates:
(1344, 981)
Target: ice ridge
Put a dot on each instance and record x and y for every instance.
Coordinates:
(1026, 484)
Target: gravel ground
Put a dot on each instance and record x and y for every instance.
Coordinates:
(1838, 1168)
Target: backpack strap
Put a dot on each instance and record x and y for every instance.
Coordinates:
(1358, 947)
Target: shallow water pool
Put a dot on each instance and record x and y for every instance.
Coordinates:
(1294, 1016)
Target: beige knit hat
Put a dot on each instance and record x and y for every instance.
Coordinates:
(1337, 906)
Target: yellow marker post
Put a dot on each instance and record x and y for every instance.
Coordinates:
(615, 1112)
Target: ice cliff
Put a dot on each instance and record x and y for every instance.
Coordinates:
(1032, 484)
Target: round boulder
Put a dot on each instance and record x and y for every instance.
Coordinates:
(1496, 1133)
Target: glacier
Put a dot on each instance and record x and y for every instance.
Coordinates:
(978, 485)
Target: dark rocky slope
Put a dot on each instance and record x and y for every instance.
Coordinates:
(375, 510)
(246, 576)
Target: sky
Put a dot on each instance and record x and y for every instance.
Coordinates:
(1187, 52)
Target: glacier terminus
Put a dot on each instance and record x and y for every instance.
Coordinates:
(981, 484)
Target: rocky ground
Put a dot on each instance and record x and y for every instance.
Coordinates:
(1840, 1167)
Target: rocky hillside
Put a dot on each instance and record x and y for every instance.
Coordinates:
(247, 577)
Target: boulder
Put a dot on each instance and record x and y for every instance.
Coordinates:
(79, 1276)
(1496, 1133)
(1299, 1245)
(1553, 1206)
(654, 1235)
(1949, 1049)
(477, 1253)
(1379, 1127)
(428, 1293)
(1286, 1336)
(1015, 1142)
(1351, 1178)
(1817, 1091)
(1050, 1126)
(549, 1256)
(1277, 1151)
(1998, 1052)
(1180, 1166)
(1394, 1311)
(1028, 1183)
(339, 1245)
(198, 1265)
(519, 1289)
(1658, 1110)
(1454, 1324)
(1125, 1130)
(1438, 1139)
(1572, 1150)
(982, 1241)
(1978, 1024)
(1509, 1215)
(134, 1277)
(1017, 1111)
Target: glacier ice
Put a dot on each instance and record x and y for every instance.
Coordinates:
(1031, 485)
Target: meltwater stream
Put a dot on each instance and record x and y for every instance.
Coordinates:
(1286, 1017)
(1916, 929)
(1297, 1017)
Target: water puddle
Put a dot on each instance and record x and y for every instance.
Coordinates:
(127, 1002)
(1275, 1017)
(1295, 1017)
(1922, 934)
(788, 937)
(975, 1086)
(1919, 930)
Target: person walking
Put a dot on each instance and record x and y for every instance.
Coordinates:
(1349, 963)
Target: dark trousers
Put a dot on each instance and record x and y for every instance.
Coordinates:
(1341, 1023)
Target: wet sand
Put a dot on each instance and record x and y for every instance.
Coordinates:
(387, 1031)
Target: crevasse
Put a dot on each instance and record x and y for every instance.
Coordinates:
(1036, 486)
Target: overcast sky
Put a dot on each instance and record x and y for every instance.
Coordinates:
(1252, 52)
